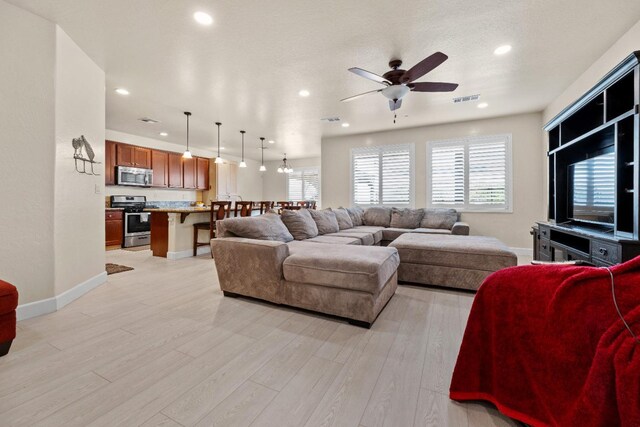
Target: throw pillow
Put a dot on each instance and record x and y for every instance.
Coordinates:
(356, 215)
(378, 216)
(344, 220)
(439, 218)
(264, 227)
(325, 220)
(300, 224)
(406, 218)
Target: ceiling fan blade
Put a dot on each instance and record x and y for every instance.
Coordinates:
(393, 106)
(423, 67)
(433, 87)
(369, 75)
(351, 98)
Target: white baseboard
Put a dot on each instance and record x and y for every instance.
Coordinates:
(523, 251)
(188, 253)
(49, 305)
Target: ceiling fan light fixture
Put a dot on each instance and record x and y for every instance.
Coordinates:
(395, 91)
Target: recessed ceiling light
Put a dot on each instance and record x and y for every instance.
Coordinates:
(304, 93)
(483, 105)
(122, 91)
(163, 134)
(203, 18)
(345, 125)
(271, 141)
(501, 50)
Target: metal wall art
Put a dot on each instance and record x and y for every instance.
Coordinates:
(78, 145)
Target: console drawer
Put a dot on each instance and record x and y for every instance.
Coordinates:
(545, 231)
(545, 247)
(605, 251)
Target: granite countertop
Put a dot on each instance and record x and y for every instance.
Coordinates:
(191, 209)
(114, 209)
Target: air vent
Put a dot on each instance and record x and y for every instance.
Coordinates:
(466, 98)
(330, 119)
(148, 120)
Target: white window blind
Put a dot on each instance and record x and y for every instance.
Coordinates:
(303, 184)
(470, 173)
(382, 175)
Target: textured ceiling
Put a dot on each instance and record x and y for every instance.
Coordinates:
(246, 69)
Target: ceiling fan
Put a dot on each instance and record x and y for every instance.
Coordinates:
(399, 82)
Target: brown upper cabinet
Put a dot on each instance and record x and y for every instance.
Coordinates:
(110, 163)
(160, 166)
(175, 170)
(202, 173)
(130, 155)
(189, 173)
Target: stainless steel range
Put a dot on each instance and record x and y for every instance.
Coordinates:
(137, 224)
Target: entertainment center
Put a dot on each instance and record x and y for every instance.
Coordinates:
(594, 164)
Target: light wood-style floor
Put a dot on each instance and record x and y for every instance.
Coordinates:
(160, 345)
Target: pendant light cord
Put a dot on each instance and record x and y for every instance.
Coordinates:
(242, 132)
(615, 303)
(218, 124)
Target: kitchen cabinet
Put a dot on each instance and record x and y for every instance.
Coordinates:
(202, 173)
(175, 170)
(189, 173)
(113, 228)
(160, 166)
(226, 180)
(130, 155)
(110, 163)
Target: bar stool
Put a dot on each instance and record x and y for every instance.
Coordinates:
(265, 206)
(292, 208)
(219, 210)
(312, 204)
(242, 209)
(284, 204)
(304, 203)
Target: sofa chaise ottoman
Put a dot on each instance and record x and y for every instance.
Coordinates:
(461, 262)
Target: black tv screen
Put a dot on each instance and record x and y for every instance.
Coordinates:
(592, 196)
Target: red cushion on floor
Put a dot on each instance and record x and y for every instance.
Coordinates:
(8, 297)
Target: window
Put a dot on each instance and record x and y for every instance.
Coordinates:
(382, 175)
(303, 184)
(471, 174)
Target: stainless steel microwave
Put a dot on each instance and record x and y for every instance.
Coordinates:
(134, 176)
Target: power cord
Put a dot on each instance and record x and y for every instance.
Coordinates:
(615, 303)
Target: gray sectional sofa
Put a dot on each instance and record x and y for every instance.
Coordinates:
(332, 261)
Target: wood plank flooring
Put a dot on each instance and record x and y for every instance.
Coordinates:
(161, 346)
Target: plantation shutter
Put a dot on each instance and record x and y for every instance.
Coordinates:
(311, 184)
(488, 173)
(447, 174)
(295, 186)
(382, 175)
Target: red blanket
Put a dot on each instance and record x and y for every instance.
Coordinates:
(546, 346)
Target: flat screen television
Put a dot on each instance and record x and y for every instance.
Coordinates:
(592, 193)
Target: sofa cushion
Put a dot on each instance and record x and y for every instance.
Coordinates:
(264, 227)
(460, 252)
(365, 269)
(431, 230)
(366, 238)
(336, 240)
(439, 218)
(299, 223)
(375, 231)
(392, 233)
(357, 216)
(406, 218)
(377, 216)
(344, 220)
(325, 221)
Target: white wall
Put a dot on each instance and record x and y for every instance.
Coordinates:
(79, 198)
(274, 184)
(528, 188)
(27, 150)
(628, 43)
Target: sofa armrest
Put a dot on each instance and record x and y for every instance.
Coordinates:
(460, 229)
(250, 267)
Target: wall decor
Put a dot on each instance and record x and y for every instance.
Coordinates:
(78, 145)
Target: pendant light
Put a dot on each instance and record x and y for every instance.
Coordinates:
(285, 167)
(262, 167)
(242, 163)
(187, 153)
(218, 159)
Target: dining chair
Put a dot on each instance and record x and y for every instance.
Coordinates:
(265, 206)
(243, 209)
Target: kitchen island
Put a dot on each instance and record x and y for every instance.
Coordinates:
(172, 230)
